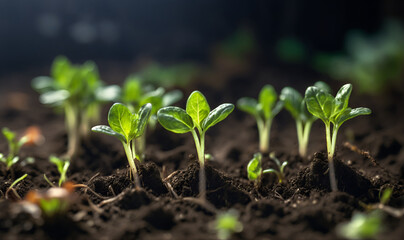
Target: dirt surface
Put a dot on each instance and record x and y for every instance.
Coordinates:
(167, 208)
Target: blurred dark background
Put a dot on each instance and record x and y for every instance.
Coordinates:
(32, 33)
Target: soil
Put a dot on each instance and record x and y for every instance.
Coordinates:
(167, 206)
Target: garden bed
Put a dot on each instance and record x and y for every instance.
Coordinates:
(167, 208)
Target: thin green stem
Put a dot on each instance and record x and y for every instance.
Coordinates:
(328, 139)
(305, 139)
(200, 148)
(264, 129)
(201, 157)
(299, 129)
(334, 139)
(132, 165)
(331, 150)
(72, 131)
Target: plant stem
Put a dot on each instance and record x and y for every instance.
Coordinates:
(329, 142)
(299, 129)
(333, 181)
(305, 139)
(71, 125)
(264, 129)
(130, 155)
(141, 146)
(200, 148)
(330, 150)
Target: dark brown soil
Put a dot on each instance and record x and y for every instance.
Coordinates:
(167, 206)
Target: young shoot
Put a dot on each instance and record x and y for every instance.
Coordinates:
(264, 110)
(197, 117)
(254, 169)
(54, 202)
(333, 111)
(77, 91)
(14, 194)
(135, 94)
(127, 126)
(14, 145)
(226, 224)
(361, 226)
(281, 168)
(62, 166)
(295, 104)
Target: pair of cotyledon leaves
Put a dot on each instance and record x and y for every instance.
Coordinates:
(265, 107)
(329, 109)
(197, 114)
(124, 124)
(296, 104)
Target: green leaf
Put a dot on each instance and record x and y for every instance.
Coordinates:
(175, 119)
(292, 101)
(122, 121)
(9, 135)
(144, 116)
(319, 103)
(57, 97)
(60, 68)
(349, 113)
(248, 105)
(343, 97)
(43, 84)
(171, 97)
(132, 90)
(323, 87)
(107, 93)
(197, 107)
(267, 99)
(108, 130)
(254, 168)
(216, 115)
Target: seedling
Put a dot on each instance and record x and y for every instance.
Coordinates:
(12, 190)
(296, 105)
(226, 224)
(14, 145)
(127, 126)
(53, 202)
(361, 226)
(196, 116)
(254, 169)
(333, 111)
(281, 167)
(135, 94)
(78, 92)
(264, 110)
(62, 166)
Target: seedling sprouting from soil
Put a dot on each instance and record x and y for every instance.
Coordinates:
(62, 166)
(254, 169)
(281, 168)
(127, 126)
(296, 105)
(14, 194)
(226, 224)
(197, 115)
(53, 202)
(14, 145)
(264, 110)
(333, 111)
(361, 226)
(136, 94)
(78, 92)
